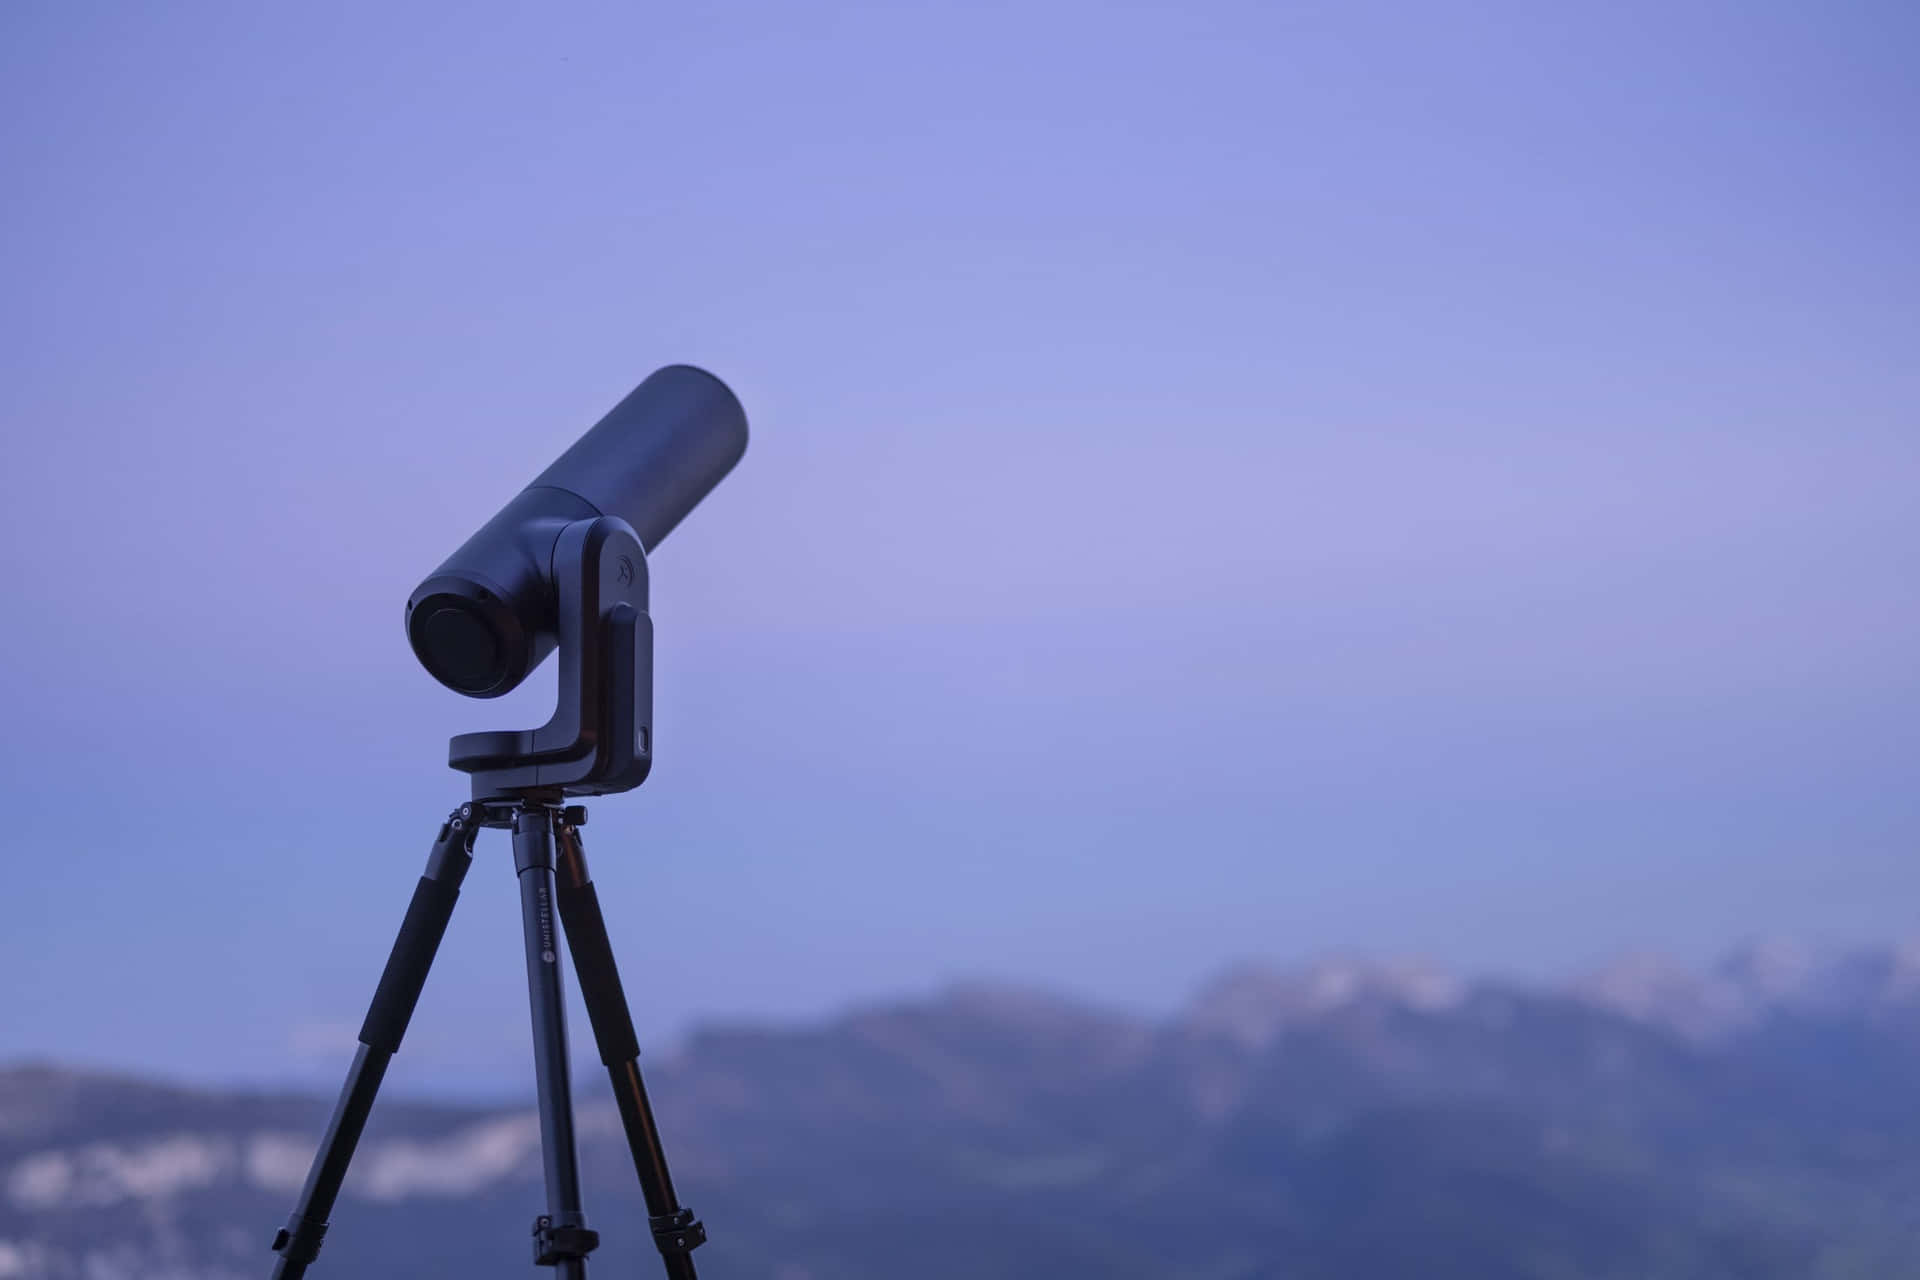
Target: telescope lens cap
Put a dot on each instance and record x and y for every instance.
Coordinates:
(459, 644)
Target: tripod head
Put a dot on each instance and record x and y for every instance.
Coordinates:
(564, 565)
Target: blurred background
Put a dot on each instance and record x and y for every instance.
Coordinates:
(1310, 671)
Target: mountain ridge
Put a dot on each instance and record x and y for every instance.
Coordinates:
(1347, 1118)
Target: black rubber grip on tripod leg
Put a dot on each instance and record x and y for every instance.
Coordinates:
(407, 965)
(599, 980)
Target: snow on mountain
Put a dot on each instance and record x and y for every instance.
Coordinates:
(1252, 1006)
(1755, 981)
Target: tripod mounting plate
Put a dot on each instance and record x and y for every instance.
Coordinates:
(599, 740)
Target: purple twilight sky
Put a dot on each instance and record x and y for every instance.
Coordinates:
(1228, 480)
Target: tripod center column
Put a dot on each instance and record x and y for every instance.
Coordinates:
(561, 1238)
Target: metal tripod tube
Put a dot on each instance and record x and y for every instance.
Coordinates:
(298, 1243)
(561, 1239)
(676, 1231)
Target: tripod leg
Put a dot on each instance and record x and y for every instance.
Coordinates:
(561, 1238)
(298, 1243)
(675, 1230)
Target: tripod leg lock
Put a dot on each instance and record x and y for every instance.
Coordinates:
(554, 1245)
(300, 1239)
(677, 1233)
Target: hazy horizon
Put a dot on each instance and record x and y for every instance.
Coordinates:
(326, 1048)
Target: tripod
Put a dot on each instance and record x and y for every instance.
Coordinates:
(561, 1238)
(599, 742)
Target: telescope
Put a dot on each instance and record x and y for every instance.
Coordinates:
(563, 565)
(562, 568)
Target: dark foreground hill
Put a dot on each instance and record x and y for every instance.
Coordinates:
(1345, 1123)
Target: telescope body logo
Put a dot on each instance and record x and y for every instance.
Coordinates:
(546, 928)
(626, 571)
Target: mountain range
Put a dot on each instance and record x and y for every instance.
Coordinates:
(1345, 1121)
